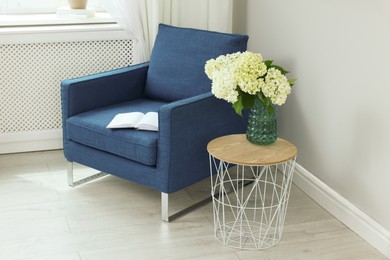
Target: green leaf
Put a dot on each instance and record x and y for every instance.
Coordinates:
(238, 106)
(267, 103)
(248, 100)
(270, 109)
(268, 63)
(283, 71)
(262, 98)
(292, 82)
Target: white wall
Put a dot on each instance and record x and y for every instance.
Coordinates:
(338, 112)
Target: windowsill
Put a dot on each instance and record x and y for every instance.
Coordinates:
(40, 23)
(7, 21)
(59, 28)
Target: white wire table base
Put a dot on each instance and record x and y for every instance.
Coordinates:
(250, 216)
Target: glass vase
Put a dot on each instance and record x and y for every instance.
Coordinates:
(262, 126)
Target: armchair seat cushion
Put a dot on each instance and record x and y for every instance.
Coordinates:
(89, 128)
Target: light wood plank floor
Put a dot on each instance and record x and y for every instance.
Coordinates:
(42, 218)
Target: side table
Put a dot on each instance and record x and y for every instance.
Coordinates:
(250, 186)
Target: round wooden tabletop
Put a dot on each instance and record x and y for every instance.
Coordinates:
(238, 150)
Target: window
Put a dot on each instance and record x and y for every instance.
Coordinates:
(17, 13)
(39, 6)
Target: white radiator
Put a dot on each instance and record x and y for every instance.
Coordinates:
(30, 76)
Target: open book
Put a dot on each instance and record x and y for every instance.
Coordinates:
(138, 120)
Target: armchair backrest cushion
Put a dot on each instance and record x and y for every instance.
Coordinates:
(176, 67)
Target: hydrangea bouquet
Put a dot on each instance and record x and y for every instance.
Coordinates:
(241, 77)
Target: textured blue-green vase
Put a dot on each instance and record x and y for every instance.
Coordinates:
(262, 126)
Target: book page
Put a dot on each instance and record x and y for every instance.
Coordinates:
(126, 120)
(149, 122)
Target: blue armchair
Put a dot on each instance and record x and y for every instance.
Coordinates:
(174, 84)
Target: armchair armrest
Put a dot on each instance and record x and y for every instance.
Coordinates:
(185, 128)
(89, 92)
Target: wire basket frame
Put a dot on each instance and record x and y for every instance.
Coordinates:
(250, 202)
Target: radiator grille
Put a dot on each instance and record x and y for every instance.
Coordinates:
(30, 76)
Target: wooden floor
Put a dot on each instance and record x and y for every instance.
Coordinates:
(112, 219)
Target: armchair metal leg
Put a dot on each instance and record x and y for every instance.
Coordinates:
(165, 205)
(165, 208)
(81, 181)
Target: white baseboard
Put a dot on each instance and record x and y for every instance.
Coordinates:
(30, 141)
(343, 210)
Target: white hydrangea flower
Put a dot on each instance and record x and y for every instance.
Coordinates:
(223, 85)
(243, 70)
(246, 72)
(276, 87)
(248, 69)
(210, 68)
(221, 72)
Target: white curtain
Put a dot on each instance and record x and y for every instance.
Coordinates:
(130, 15)
(214, 15)
(140, 18)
